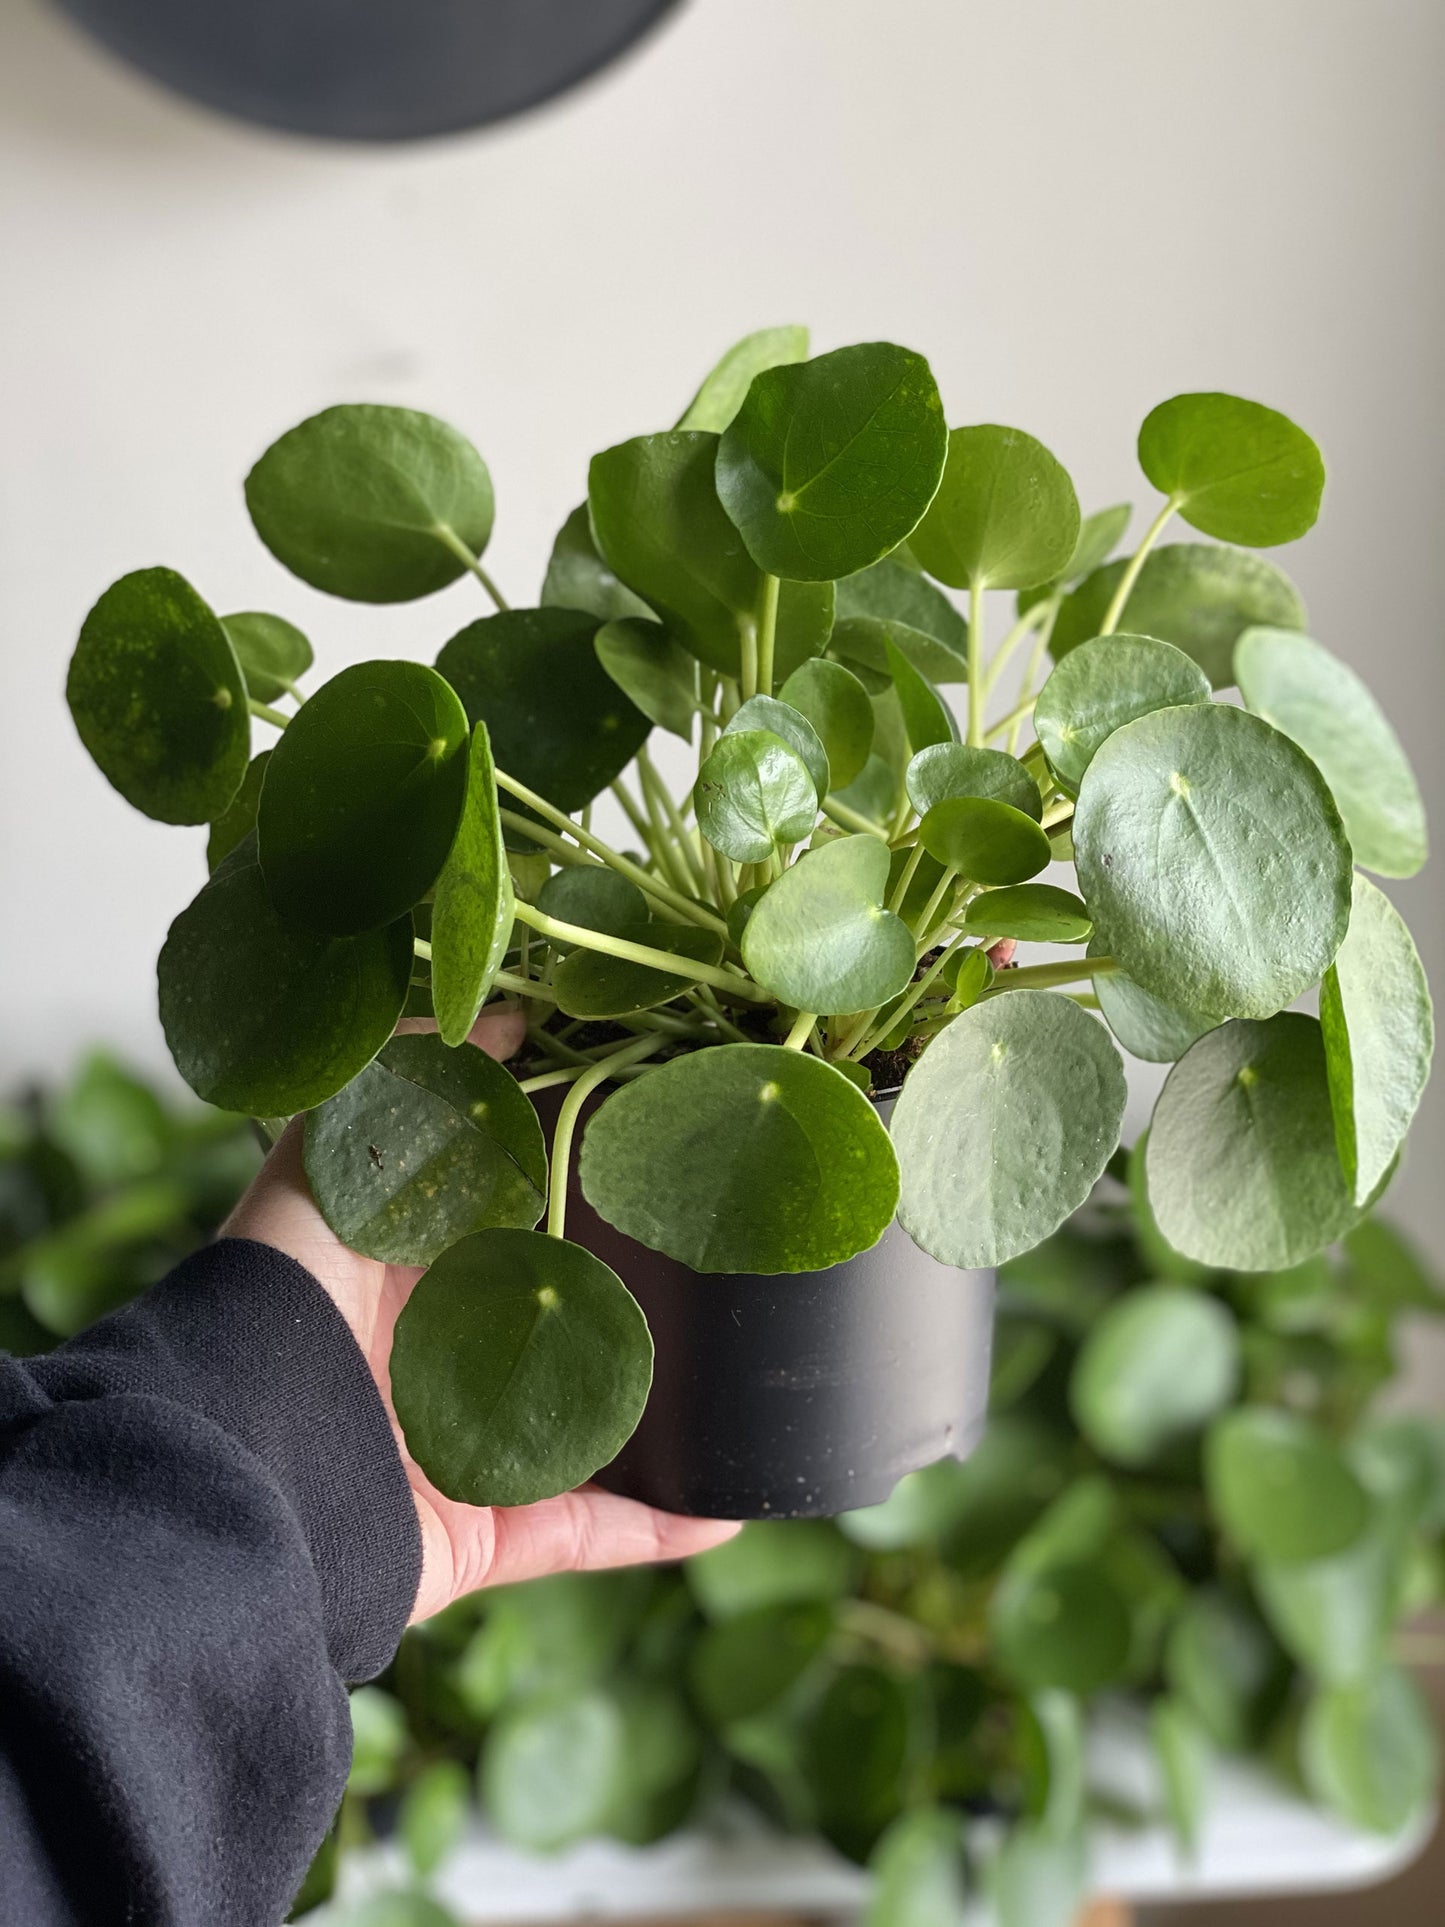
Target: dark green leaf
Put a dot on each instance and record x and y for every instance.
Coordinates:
(433, 1815)
(648, 667)
(1104, 684)
(520, 1365)
(746, 1663)
(895, 594)
(266, 1018)
(238, 819)
(471, 921)
(746, 1157)
(754, 796)
(1005, 515)
(721, 394)
(1242, 1167)
(423, 1147)
(1281, 1488)
(1099, 536)
(918, 1872)
(1321, 704)
(272, 653)
(855, 1751)
(1379, 1033)
(1031, 912)
(957, 769)
(771, 1564)
(359, 501)
(1369, 1751)
(1158, 1365)
(362, 798)
(821, 939)
(836, 704)
(159, 699)
(984, 840)
(578, 578)
(830, 463)
(1004, 1126)
(1212, 860)
(591, 984)
(927, 718)
(593, 896)
(1062, 1625)
(768, 713)
(1235, 469)
(874, 791)
(557, 720)
(1200, 598)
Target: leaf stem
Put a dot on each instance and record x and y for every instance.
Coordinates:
(1057, 813)
(851, 819)
(692, 869)
(767, 632)
(977, 683)
(634, 814)
(668, 961)
(1016, 717)
(1048, 976)
(798, 1036)
(451, 540)
(1031, 673)
(266, 713)
(1136, 562)
(572, 1104)
(545, 1080)
(748, 648)
(931, 908)
(895, 902)
(912, 996)
(1030, 619)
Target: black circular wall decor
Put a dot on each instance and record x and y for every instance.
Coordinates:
(369, 70)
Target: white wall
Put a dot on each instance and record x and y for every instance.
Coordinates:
(1075, 207)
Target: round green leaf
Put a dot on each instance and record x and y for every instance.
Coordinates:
(745, 1664)
(589, 983)
(1335, 1615)
(578, 578)
(836, 704)
(159, 699)
(1242, 1167)
(986, 841)
(1281, 1489)
(1369, 1751)
(918, 1872)
(272, 653)
(1379, 1033)
(1030, 912)
(650, 669)
(1101, 686)
(1200, 598)
(1005, 515)
(947, 770)
(551, 1769)
(1064, 1626)
(1235, 469)
(747, 1158)
(1145, 1025)
(471, 920)
(897, 595)
(1321, 704)
(1159, 1364)
(830, 463)
(557, 720)
(593, 896)
(771, 1563)
(520, 1365)
(1099, 536)
(921, 1508)
(721, 394)
(267, 1018)
(360, 500)
(768, 713)
(1004, 1126)
(362, 798)
(754, 796)
(821, 938)
(1212, 860)
(927, 719)
(238, 819)
(423, 1147)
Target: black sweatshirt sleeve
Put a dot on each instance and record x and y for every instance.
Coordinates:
(205, 1530)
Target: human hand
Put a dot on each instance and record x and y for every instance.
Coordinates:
(463, 1546)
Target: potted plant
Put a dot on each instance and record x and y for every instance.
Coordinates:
(799, 984)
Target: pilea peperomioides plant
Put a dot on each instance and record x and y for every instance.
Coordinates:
(827, 916)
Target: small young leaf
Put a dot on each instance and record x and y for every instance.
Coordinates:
(1030, 912)
(724, 388)
(1237, 470)
(362, 798)
(1160, 1363)
(358, 501)
(956, 769)
(836, 704)
(1321, 704)
(471, 920)
(927, 718)
(821, 939)
(985, 841)
(1004, 1126)
(1379, 1032)
(272, 653)
(1101, 686)
(159, 698)
(1099, 536)
(1212, 860)
(1242, 1167)
(1281, 1488)
(830, 463)
(1370, 1752)
(1005, 515)
(557, 720)
(520, 1365)
(650, 669)
(777, 1162)
(918, 1872)
(1199, 597)
(578, 578)
(767, 712)
(238, 819)
(754, 796)
(591, 984)
(423, 1147)
(264, 1017)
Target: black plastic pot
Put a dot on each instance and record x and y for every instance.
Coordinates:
(802, 1395)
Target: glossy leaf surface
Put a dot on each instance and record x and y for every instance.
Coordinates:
(723, 389)
(754, 796)
(238, 819)
(1237, 470)
(578, 578)
(272, 652)
(651, 671)
(1005, 515)
(958, 769)
(894, 592)
(769, 713)
(985, 841)
(1104, 684)
(836, 704)
(471, 920)
(862, 644)
(821, 938)
(1030, 912)
(927, 719)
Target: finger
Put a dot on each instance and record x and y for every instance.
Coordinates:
(588, 1531)
(499, 1032)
